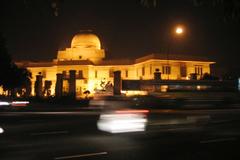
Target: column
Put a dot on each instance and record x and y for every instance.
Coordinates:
(157, 78)
(28, 88)
(117, 83)
(38, 86)
(59, 85)
(72, 83)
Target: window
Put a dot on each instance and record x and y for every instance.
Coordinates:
(198, 70)
(150, 69)
(126, 73)
(96, 74)
(64, 74)
(111, 73)
(80, 74)
(143, 71)
(183, 70)
(166, 70)
(44, 73)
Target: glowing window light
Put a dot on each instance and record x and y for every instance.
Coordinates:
(91, 86)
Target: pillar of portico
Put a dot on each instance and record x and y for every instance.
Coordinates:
(59, 85)
(157, 78)
(117, 83)
(39, 86)
(72, 83)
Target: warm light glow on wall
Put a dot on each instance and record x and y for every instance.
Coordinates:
(52, 90)
(1, 90)
(91, 86)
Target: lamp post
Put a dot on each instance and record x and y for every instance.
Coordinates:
(178, 31)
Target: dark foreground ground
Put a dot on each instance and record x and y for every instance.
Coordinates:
(204, 134)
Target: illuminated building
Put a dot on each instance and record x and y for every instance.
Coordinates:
(92, 72)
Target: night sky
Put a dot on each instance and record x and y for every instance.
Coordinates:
(125, 27)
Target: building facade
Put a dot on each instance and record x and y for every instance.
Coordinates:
(94, 73)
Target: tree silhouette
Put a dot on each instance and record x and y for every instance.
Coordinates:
(229, 8)
(5, 62)
(11, 76)
(207, 76)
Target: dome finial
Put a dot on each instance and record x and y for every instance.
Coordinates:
(85, 31)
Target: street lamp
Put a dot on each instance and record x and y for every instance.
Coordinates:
(178, 31)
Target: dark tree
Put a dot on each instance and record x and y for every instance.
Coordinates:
(11, 76)
(5, 61)
(5, 65)
(207, 76)
(229, 8)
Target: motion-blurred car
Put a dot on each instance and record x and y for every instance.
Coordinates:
(4, 104)
(121, 121)
(12, 104)
(19, 103)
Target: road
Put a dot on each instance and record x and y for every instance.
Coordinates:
(171, 134)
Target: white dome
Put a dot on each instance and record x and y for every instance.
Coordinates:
(86, 40)
(84, 46)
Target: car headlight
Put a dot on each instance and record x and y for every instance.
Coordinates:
(1, 130)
